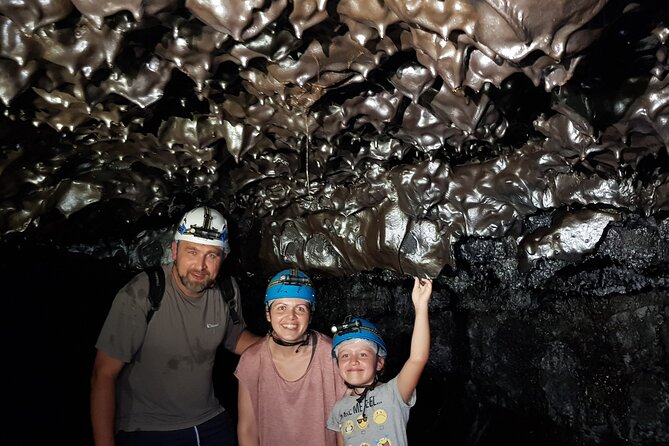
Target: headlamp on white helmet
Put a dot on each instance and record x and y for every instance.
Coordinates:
(206, 226)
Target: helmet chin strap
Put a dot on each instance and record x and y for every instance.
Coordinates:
(283, 343)
(362, 397)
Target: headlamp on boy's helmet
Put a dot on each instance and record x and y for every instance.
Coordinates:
(357, 328)
(205, 226)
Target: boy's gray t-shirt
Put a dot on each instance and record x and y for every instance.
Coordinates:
(385, 421)
(167, 381)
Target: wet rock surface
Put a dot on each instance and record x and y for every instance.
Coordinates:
(515, 151)
(359, 135)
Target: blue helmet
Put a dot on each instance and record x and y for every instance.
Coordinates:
(290, 283)
(357, 328)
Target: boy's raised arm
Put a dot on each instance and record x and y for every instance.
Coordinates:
(408, 377)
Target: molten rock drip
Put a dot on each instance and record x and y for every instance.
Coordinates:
(359, 134)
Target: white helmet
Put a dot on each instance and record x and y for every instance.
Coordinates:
(205, 226)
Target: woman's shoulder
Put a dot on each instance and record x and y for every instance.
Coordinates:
(254, 350)
(323, 338)
(323, 346)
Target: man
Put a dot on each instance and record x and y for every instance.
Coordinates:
(152, 377)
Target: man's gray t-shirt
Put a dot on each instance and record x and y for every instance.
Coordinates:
(167, 381)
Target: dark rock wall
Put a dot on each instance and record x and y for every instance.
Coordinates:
(565, 353)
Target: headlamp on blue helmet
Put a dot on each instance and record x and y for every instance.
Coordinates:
(356, 328)
(290, 283)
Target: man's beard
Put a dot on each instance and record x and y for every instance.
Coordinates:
(196, 287)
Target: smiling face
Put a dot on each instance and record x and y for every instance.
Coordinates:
(196, 266)
(290, 318)
(358, 362)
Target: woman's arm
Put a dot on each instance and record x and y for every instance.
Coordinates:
(247, 428)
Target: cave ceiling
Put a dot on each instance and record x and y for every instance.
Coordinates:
(351, 135)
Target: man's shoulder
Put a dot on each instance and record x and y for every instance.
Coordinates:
(226, 283)
(136, 284)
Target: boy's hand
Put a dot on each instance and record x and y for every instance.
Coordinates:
(422, 290)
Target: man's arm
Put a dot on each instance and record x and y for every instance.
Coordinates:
(247, 428)
(246, 339)
(408, 377)
(103, 397)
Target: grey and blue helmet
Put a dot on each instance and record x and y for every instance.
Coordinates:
(357, 328)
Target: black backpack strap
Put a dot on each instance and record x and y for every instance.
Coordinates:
(228, 293)
(156, 289)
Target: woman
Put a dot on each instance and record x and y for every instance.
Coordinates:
(288, 382)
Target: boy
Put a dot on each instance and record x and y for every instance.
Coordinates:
(377, 413)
